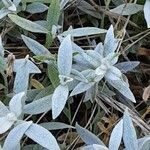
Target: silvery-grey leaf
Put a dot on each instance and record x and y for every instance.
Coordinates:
(93, 62)
(16, 103)
(76, 48)
(39, 106)
(9, 5)
(36, 7)
(63, 3)
(123, 88)
(88, 9)
(81, 87)
(64, 79)
(94, 147)
(147, 12)
(1, 47)
(100, 49)
(5, 124)
(65, 56)
(129, 133)
(15, 136)
(25, 64)
(34, 46)
(144, 143)
(124, 67)
(3, 110)
(88, 137)
(110, 43)
(116, 136)
(78, 75)
(27, 24)
(112, 58)
(59, 99)
(127, 9)
(21, 81)
(16, 2)
(72, 85)
(42, 23)
(79, 32)
(55, 125)
(23, 67)
(42, 137)
(81, 61)
(95, 55)
(4, 12)
(91, 93)
(113, 74)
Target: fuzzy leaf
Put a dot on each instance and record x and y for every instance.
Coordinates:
(15, 136)
(81, 87)
(94, 147)
(34, 46)
(1, 47)
(144, 143)
(5, 124)
(116, 136)
(79, 32)
(16, 103)
(42, 137)
(110, 43)
(39, 106)
(65, 57)
(27, 24)
(129, 134)
(36, 7)
(88, 137)
(124, 67)
(4, 12)
(55, 125)
(123, 88)
(127, 9)
(59, 99)
(147, 12)
(3, 110)
(23, 67)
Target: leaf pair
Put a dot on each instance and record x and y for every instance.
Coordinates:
(23, 68)
(64, 64)
(9, 116)
(124, 128)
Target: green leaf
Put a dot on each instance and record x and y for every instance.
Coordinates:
(2, 64)
(27, 24)
(53, 74)
(52, 19)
